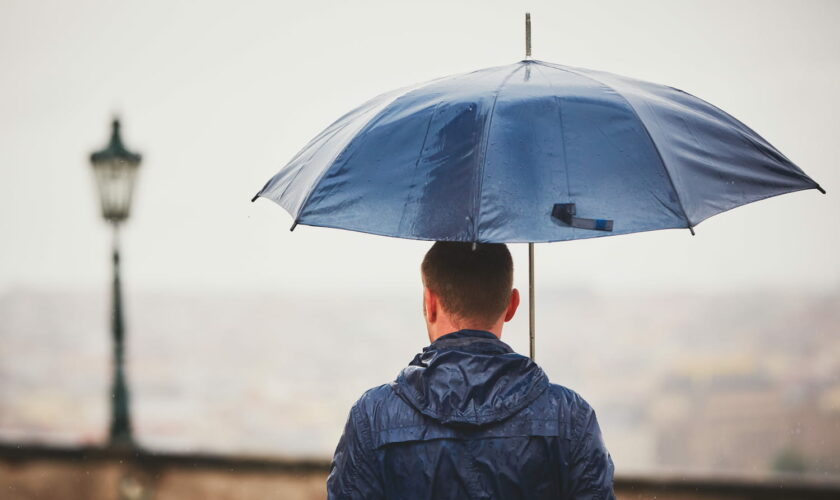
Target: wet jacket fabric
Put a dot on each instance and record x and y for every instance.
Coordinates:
(471, 419)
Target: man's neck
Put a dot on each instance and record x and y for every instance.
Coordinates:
(438, 331)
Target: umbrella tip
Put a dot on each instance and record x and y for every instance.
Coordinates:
(691, 228)
(255, 197)
(294, 225)
(821, 189)
(527, 35)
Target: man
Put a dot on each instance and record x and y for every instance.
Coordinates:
(469, 418)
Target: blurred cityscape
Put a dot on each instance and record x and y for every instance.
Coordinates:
(728, 382)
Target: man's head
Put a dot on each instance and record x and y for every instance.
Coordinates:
(466, 287)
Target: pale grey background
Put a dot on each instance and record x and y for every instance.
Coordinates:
(218, 95)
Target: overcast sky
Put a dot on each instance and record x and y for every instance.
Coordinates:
(217, 96)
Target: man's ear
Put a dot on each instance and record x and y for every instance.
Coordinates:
(430, 305)
(513, 305)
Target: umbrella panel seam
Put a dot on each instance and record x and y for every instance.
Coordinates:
(483, 158)
(562, 141)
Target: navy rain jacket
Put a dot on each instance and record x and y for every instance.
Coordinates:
(468, 419)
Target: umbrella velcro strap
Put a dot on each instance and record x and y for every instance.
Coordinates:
(565, 212)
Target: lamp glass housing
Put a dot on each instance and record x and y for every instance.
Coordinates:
(115, 181)
(115, 169)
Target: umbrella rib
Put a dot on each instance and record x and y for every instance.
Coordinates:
(417, 163)
(300, 168)
(397, 95)
(297, 172)
(483, 153)
(689, 225)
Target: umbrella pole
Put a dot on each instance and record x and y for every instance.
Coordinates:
(531, 308)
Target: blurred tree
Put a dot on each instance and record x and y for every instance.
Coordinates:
(789, 460)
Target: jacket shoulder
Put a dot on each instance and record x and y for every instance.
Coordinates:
(374, 396)
(379, 402)
(576, 417)
(567, 397)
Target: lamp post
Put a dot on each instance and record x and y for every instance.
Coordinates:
(115, 169)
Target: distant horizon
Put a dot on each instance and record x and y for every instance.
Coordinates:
(256, 373)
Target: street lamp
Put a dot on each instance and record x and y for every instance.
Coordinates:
(115, 169)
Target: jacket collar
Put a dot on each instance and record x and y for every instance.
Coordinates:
(470, 377)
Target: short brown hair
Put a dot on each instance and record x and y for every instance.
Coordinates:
(473, 281)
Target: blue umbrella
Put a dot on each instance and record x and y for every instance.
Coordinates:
(530, 152)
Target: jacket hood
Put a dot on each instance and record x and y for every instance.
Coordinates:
(470, 377)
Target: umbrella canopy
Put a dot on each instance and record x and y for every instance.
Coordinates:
(530, 152)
